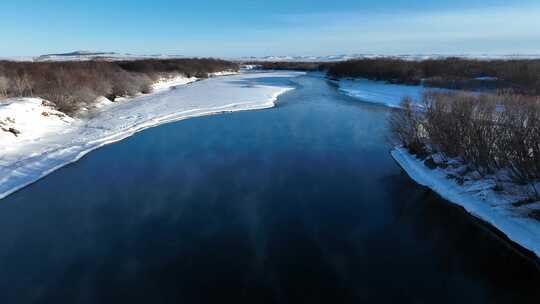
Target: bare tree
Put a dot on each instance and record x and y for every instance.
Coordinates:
(4, 86)
(22, 85)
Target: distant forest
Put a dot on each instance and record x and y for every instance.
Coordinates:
(521, 76)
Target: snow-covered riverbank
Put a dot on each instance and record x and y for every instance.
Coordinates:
(26, 160)
(382, 92)
(479, 198)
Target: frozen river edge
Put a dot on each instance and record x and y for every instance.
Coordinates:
(519, 229)
(33, 160)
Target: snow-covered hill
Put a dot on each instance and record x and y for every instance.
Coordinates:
(412, 57)
(109, 56)
(112, 56)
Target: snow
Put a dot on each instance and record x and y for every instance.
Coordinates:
(381, 92)
(223, 73)
(112, 56)
(408, 57)
(330, 58)
(477, 196)
(167, 83)
(28, 119)
(49, 145)
(102, 102)
(479, 199)
(172, 82)
(248, 67)
(162, 84)
(17, 58)
(109, 56)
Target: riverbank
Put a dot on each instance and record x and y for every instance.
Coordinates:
(36, 157)
(479, 199)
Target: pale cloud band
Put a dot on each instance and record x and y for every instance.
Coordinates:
(501, 30)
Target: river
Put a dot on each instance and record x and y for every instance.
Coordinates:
(301, 203)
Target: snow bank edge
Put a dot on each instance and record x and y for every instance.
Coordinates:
(522, 231)
(40, 169)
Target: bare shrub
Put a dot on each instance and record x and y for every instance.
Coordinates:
(519, 139)
(444, 133)
(4, 86)
(488, 133)
(145, 84)
(481, 133)
(84, 95)
(292, 65)
(22, 85)
(406, 126)
(389, 69)
(129, 84)
(464, 125)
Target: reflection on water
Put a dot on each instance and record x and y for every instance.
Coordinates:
(294, 204)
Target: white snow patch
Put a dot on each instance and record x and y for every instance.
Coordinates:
(479, 199)
(248, 67)
(223, 73)
(380, 91)
(27, 119)
(102, 102)
(63, 140)
(167, 83)
(407, 57)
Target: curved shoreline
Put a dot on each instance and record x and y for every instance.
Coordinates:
(25, 171)
(522, 231)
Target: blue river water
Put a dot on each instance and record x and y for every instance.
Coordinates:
(301, 203)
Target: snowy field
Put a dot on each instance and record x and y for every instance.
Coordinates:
(479, 199)
(47, 140)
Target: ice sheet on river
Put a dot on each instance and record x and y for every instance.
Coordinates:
(29, 160)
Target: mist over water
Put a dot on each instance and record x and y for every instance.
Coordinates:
(300, 203)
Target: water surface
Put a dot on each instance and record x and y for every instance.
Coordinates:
(297, 204)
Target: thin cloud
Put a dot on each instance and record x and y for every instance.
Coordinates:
(433, 30)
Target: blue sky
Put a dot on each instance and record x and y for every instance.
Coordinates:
(278, 27)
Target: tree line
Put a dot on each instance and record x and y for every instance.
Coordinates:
(522, 76)
(291, 65)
